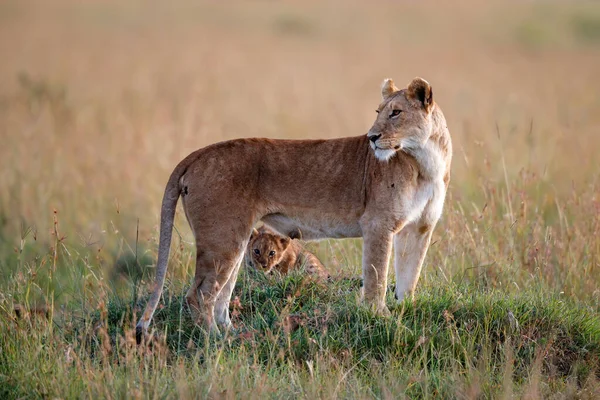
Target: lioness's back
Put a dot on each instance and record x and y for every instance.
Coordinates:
(325, 175)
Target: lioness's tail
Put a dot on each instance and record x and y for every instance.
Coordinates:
(167, 215)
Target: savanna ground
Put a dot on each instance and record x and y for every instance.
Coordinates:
(100, 100)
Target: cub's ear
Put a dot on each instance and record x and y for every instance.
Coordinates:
(253, 234)
(420, 90)
(295, 234)
(285, 241)
(388, 88)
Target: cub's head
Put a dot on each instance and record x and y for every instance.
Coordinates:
(403, 118)
(266, 249)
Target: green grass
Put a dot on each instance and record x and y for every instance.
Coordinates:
(299, 337)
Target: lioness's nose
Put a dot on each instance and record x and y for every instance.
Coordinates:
(373, 138)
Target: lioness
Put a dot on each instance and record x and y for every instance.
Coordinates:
(387, 186)
(269, 251)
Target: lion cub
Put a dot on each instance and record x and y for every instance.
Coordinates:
(268, 251)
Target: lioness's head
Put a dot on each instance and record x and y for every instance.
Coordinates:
(403, 118)
(266, 249)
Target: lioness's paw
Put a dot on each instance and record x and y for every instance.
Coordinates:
(383, 311)
(379, 309)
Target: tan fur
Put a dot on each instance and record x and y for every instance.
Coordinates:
(268, 251)
(387, 187)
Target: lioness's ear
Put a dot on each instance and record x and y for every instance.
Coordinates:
(253, 234)
(285, 241)
(388, 88)
(420, 90)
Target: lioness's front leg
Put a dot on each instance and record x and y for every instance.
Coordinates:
(410, 247)
(377, 248)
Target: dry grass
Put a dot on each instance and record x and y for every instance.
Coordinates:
(99, 100)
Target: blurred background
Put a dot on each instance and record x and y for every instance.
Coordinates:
(99, 100)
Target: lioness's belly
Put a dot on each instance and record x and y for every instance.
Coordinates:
(312, 228)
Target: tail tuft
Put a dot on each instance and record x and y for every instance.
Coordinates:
(139, 334)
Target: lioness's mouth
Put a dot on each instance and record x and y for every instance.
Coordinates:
(375, 147)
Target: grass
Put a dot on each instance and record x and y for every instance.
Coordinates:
(98, 102)
(293, 333)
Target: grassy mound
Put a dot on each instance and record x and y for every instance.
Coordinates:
(445, 334)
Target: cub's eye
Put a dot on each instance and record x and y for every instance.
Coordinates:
(257, 252)
(395, 113)
(377, 111)
(272, 254)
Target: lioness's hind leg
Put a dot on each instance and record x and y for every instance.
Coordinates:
(224, 297)
(195, 299)
(212, 274)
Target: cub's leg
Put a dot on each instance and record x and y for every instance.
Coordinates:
(313, 264)
(410, 247)
(377, 248)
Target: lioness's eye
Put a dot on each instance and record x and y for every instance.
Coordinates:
(272, 253)
(395, 113)
(257, 252)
